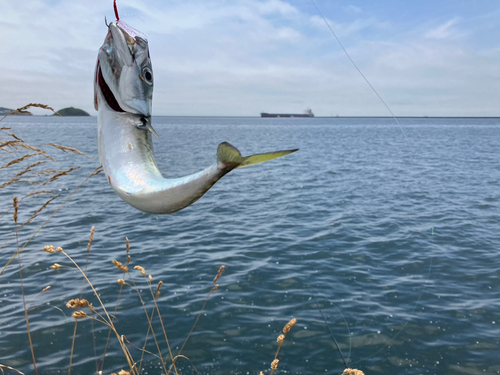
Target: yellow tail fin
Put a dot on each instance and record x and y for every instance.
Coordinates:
(228, 154)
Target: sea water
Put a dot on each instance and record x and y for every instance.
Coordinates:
(387, 243)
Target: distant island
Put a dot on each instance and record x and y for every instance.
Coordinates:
(71, 111)
(5, 111)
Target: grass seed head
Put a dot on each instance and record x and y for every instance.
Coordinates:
(38, 192)
(42, 208)
(274, 364)
(45, 289)
(59, 249)
(280, 338)
(55, 266)
(121, 281)
(160, 283)
(79, 315)
(143, 271)
(73, 304)
(16, 208)
(289, 325)
(37, 105)
(17, 161)
(49, 249)
(123, 372)
(219, 274)
(65, 149)
(350, 371)
(91, 238)
(84, 303)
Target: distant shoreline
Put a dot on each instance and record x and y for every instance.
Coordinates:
(317, 117)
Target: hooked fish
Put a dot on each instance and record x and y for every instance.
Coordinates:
(123, 92)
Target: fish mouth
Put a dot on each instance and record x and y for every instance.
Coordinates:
(106, 91)
(117, 39)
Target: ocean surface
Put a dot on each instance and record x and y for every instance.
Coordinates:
(387, 242)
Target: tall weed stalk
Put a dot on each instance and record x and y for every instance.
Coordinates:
(28, 164)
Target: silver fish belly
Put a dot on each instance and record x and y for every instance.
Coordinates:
(126, 154)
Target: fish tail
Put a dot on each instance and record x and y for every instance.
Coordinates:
(230, 157)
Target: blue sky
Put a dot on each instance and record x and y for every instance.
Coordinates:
(242, 57)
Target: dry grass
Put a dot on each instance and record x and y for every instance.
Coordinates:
(102, 316)
(280, 339)
(17, 153)
(14, 152)
(350, 371)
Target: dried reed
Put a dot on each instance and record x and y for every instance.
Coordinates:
(30, 168)
(150, 324)
(38, 192)
(26, 315)
(108, 320)
(17, 144)
(212, 290)
(2, 367)
(41, 209)
(18, 160)
(66, 149)
(8, 147)
(96, 171)
(280, 339)
(350, 371)
(122, 284)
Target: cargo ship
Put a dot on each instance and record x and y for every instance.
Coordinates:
(307, 113)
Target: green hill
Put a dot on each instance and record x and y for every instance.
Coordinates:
(5, 111)
(70, 111)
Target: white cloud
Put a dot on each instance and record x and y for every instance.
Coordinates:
(353, 9)
(276, 6)
(444, 31)
(241, 57)
(348, 28)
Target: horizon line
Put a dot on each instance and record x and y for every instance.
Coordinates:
(248, 116)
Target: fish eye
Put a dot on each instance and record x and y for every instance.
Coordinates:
(147, 74)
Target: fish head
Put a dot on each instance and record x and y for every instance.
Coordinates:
(123, 73)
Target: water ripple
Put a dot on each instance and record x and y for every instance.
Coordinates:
(396, 247)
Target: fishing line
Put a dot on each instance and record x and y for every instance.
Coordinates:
(412, 312)
(359, 71)
(328, 326)
(407, 141)
(334, 339)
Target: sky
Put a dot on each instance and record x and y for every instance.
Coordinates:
(243, 57)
